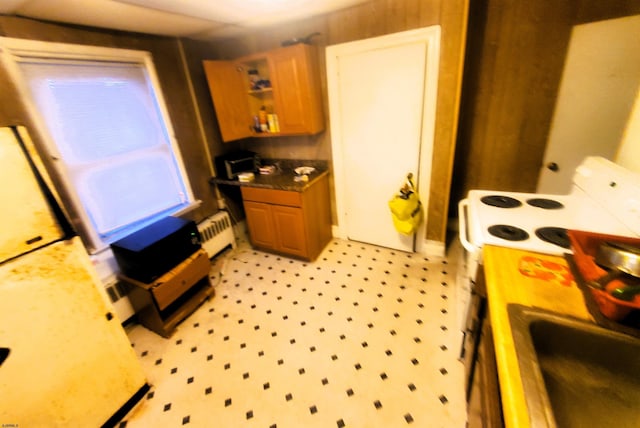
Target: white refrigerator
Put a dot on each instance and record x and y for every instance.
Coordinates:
(65, 359)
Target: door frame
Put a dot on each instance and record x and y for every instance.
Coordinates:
(431, 37)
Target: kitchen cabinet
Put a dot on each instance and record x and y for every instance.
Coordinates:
(484, 407)
(296, 223)
(285, 81)
(482, 387)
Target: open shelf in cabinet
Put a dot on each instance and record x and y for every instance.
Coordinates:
(291, 93)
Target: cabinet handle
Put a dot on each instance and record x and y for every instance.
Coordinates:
(552, 166)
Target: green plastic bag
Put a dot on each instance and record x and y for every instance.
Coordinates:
(406, 209)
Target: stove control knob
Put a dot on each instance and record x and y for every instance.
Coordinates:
(552, 166)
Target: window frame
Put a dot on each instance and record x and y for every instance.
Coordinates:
(13, 51)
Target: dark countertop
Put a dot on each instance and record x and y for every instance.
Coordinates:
(283, 177)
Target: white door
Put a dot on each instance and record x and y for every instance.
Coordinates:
(598, 88)
(382, 94)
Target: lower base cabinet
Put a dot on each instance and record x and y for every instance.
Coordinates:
(289, 222)
(277, 227)
(484, 406)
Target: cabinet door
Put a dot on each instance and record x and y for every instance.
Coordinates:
(260, 224)
(289, 225)
(229, 93)
(296, 89)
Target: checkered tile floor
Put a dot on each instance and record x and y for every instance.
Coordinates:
(362, 337)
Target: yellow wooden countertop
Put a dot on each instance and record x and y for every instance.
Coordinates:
(531, 279)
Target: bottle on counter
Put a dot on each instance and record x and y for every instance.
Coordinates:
(262, 118)
(272, 121)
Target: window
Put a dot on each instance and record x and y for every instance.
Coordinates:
(106, 127)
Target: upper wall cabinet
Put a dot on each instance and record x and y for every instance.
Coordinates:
(274, 93)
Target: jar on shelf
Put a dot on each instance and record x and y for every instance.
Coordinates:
(254, 79)
(262, 117)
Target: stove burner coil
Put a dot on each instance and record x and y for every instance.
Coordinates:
(544, 203)
(554, 235)
(507, 232)
(501, 201)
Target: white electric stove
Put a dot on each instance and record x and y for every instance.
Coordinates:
(605, 198)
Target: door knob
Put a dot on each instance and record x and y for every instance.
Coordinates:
(552, 166)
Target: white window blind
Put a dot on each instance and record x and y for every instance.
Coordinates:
(110, 136)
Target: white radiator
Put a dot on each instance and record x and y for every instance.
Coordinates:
(216, 233)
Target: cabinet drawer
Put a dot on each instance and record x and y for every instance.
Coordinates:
(272, 196)
(174, 283)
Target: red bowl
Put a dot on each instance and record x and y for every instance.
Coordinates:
(585, 245)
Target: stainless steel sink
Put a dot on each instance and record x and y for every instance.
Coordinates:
(574, 373)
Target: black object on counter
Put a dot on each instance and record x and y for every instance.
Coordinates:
(229, 165)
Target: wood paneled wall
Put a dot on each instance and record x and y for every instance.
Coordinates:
(514, 61)
(514, 58)
(173, 80)
(374, 18)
